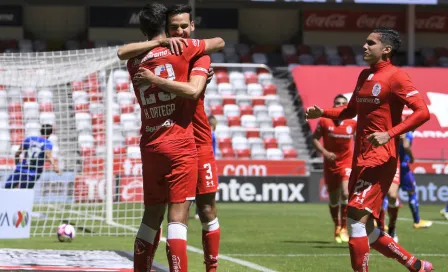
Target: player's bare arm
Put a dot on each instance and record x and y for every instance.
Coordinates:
(132, 50)
(190, 90)
(50, 158)
(213, 45)
(319, 147)
(17, 155)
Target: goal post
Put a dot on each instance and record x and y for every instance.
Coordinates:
(87, 97)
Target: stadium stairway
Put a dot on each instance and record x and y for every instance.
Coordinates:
(282, 81)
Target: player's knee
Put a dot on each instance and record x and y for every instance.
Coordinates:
(357, 214)
(178, 212)
(206, 204)
(153, 216)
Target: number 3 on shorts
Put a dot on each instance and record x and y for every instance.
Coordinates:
(361, 189)
(209, 171)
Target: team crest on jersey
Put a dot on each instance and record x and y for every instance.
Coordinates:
(349, 129)
(376, 89)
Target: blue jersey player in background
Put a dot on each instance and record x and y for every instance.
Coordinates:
(407, 180)
(36, 150)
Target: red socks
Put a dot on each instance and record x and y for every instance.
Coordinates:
(145, 246)
(211, 234)
(387, 246)
(358, 245)
(176, 247)
(359, 253)
(334, 211)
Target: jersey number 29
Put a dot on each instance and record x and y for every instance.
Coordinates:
(162, 96)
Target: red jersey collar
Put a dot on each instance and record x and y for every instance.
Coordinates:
(380, 65)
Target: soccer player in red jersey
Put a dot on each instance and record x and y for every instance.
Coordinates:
(180, 25)
(168, 148)
(378, 99)
(337, 151)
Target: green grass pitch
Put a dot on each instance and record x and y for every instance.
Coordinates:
(281, 237)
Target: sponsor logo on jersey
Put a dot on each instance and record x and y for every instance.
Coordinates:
(376, 89)
(368, 100)
(349, 129)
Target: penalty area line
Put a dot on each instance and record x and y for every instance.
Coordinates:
(251, 265)
(434, 222)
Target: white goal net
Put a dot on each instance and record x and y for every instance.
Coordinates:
(87, 97)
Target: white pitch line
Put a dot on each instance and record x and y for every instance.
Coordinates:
(251, 265)
(323, 255)
(434, 222)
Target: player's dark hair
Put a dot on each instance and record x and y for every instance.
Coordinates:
(179, 9)
(340, 96)
(152, 19)
(390, 37)
(211, 117)
(46, 130)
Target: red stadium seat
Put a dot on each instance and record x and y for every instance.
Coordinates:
(279, 121)
(321, 60)
(122, 87)
(92, 86)
(2, 88)
(251, 78)
(345, 50)
(441, 52)
(348, 60)
(221, 77)
(15, 107)
(303, 49)
(127, 108)
(15, 118)
(243, 153)
(224, 143)
(216, 110)
(227, 153)
(117, 119)
(46, 107)
(291, 59)
(100, 139)
(96, 97)
(233, 121)
(246, 110)
(257, 101)
(226, 100)
(246, 58)
(98, 129)
(17, 138)
(132, 140)
(77, 86)
(88, 151)
(253, 133)
(82, 108)
(97, 119)
(270, 143)
(289, 153)
(93, 165)
(29, 97)
(269, 89)
(120, 150)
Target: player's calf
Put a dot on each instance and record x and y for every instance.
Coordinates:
(148, 237)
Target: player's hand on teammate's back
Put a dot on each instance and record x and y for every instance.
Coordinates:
(176, 45)
(143, 76)
(314, 112)
(378, 138)
(210, 75)
(330, 156)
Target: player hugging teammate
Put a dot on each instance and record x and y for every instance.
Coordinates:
(176, 143)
